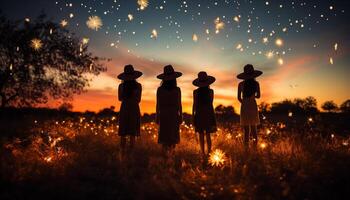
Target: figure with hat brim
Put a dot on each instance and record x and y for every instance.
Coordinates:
(129, 93)
(248, 92)
(203, 111)
(169, 109)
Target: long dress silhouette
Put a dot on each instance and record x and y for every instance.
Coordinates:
(129, 93)
(248, 91)
(169, 109)
(203, 111)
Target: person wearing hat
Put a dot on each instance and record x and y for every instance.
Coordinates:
(129, 93)
(203, 111)
(248, 91)
(169, 109)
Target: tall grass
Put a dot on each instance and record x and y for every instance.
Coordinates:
(81, 159)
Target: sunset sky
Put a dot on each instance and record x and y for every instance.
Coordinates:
(301, 46)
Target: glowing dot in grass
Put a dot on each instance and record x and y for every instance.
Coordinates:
(280, 61)
(310, 119)
(64, 23)
(11, 66)
(290, 114)
(263, 145)
(130, 17)
(236, 18)
(332, 136)
(85, 40)
(94, 22)
(345, 143)
(279, 42)
(239, 46)
(48, 159)
(335, 46)
(217, 158)
(195, 38)
(154, 34)
(142, 4)
(331, 61)
(268, 131)
(331, 7)
(36, 44)
(71, 15)
(27, 19)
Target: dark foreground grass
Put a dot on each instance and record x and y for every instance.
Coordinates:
(80, 159)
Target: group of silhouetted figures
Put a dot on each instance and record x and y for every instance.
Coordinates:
(169, 109)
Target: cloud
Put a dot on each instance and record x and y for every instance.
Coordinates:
(291, 69)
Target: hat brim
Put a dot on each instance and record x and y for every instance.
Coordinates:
(255, 74)
(169, 76)
(209, 80)
(131, 76)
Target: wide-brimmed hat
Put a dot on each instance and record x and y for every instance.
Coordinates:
(249, 72)
(169, 73)
(129, 73)
(203, 80)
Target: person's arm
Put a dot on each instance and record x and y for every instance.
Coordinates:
(180, 106)
(211, 96)
(139, 92)
(239, 94)
(257, 95)
(157, 107)
(120, 92)
(194, 105)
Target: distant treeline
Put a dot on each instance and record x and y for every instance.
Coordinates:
(296, 113)
(291, 108)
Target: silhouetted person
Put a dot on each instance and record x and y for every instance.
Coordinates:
(248, 90)
(169, 109)
(129, 93)
(203, 111)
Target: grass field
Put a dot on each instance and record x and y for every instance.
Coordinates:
(79, 158)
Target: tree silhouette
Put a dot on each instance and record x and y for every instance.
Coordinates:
(225, 113)
(345, 107)
(40, 60)
(329, 106)
(65, 107)
(297, 106)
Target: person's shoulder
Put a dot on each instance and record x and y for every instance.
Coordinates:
(241, 83)
(138, 85)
